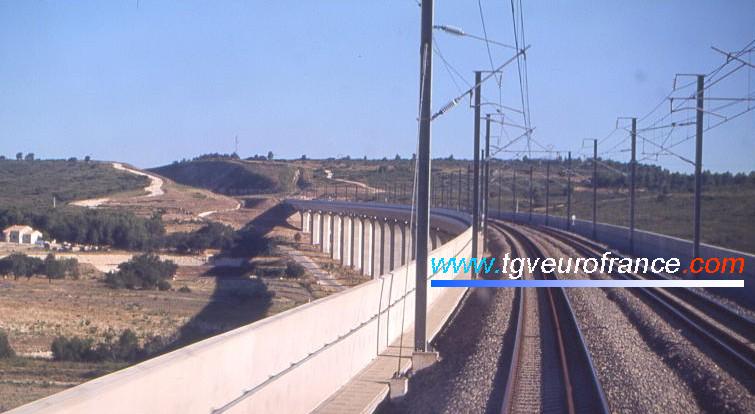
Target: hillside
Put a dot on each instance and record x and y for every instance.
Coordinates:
(664, 198)
(234, 177)
(34, 183)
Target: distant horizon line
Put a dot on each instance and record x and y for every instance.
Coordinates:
(260, 157)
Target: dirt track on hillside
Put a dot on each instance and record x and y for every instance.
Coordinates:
(154, 189)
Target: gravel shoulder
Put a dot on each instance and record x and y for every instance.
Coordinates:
(643, 357)
(472, 349)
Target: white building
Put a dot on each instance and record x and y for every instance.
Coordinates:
(21, 234)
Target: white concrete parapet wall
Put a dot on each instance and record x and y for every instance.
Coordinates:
(287, 363)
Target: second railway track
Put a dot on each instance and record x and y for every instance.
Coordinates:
(729, 332)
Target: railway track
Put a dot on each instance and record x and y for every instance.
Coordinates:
(727, 331)
(551, 369)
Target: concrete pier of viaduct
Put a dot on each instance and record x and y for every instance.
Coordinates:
(330, 355)
(371, 244)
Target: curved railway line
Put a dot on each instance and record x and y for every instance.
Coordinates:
(731, 333)
(542, 362)
(550, 357)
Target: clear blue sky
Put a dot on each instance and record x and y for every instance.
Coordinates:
(173, 79)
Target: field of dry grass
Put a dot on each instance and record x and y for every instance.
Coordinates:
(35, 311)
(24, 380)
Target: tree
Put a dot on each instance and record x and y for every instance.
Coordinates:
(6, 351)
(29, 156)
(72, 159)
(87, 158)
(270, 155)
(116, 228)
(145, 271)
(127, 347)
(19, 264)
(397, 157)
(304, 157)
(19, 156)
(72, 349)
(212, 235)
(294, 269)
(53, 268)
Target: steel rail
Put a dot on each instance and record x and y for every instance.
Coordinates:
(740, 351)
(574, 356)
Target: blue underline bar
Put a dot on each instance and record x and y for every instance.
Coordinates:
(466, 283)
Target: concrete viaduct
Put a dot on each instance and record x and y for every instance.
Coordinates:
(373, 244)
(335, 354)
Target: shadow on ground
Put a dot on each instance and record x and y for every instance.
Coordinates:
(237, 300)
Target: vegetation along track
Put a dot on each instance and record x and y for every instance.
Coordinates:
(551, 369)
(727, 331)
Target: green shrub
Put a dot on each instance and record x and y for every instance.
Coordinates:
(6, 351)
(124, 348)
(144, 271)
(127, 348)
(294, 269)
(163, 285)
(73, 349)
(212, 235)
(58, 268)
(19, 264)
